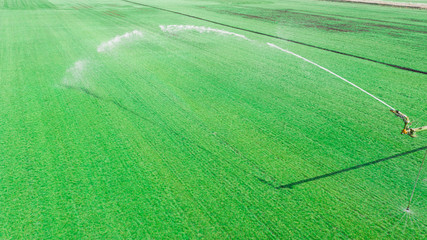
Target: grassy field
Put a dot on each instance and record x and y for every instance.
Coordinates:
(120, 120)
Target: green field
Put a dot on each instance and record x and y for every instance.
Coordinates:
(175, 120)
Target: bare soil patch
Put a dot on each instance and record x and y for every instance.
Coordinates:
(386, 3)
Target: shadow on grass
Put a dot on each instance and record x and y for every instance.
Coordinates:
(291, 185)
(92, 94)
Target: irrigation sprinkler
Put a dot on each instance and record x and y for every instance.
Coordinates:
(406, 129)
(416, 181)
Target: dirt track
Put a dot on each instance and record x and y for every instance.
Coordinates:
(385, 3)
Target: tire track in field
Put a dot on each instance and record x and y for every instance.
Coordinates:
(280, 38)
(295, 14)
(353, 17)
(386, 3)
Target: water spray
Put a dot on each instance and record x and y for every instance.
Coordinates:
(416, 181)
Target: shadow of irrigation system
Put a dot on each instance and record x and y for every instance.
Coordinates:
(94, 95)
(291, 185)
(126, 109)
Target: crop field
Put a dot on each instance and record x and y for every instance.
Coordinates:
(213, 119)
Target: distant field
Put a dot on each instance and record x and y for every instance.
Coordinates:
(176, 119)
(406, 1)
(419, 5)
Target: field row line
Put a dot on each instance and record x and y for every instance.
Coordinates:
(329, 71)
(280, 38)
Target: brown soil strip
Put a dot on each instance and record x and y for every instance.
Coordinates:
(112, 13)
(385, 3)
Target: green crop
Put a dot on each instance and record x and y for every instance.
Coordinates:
(120, 120)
